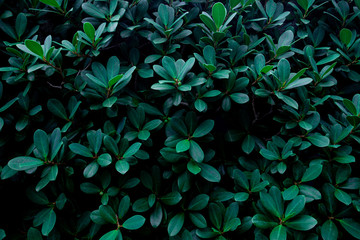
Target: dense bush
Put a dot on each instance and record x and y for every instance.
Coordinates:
(180, 119)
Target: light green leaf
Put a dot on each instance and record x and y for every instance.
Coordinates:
(133, 223)
(218, 14)
(24, 163)
(112, 235)
(183, 146)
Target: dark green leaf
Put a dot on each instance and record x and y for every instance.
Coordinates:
(175, 224)
(278, 233)
(351, 227)
(329, 230)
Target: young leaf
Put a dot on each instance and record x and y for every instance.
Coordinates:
(34, 47)
(218, 14)
(89, 30)
(52, 3)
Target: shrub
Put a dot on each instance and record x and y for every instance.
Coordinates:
(180, 119)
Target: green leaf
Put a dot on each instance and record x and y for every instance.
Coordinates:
(134, 148)
(122, 166)
(218, 14)
(234, 3)
(216, 214)
(295, 207)
(24, 163)
(209, 173)
(52, 3)
(199, 202)
(351, 227)
(343, 196)
(345, 36)
(270, 8)
(89, 188)
(34, 47)
(112, 235)
(115, 79)
(144, 135)
(329, 231)
(241, 179)
(89, 30)
(193, 167)
(285, 39)
(92, 10)
(49, 223)
(283, 70)
(290, 193)
(171, 198)
(175, 224)
(20, 24)
(350, 106)
(109, 102)
(302, 223)
(248, 144)
(183, 146)
(163, 14)
(312, 173)
(203, 129)
(133, 223)
(32, 234)
(263, 222)
(345, 159)
(107, 213)
(241, 196)
(303, 4)
(269, 203)
(41, 142)
(80, 150)
(319, 140)
(91, 169)
(57, 108)
(196, 152)
(278, 233)
(206, 18)
(239, 98)
(104, 159)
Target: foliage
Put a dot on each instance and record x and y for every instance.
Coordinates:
(179, 119)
